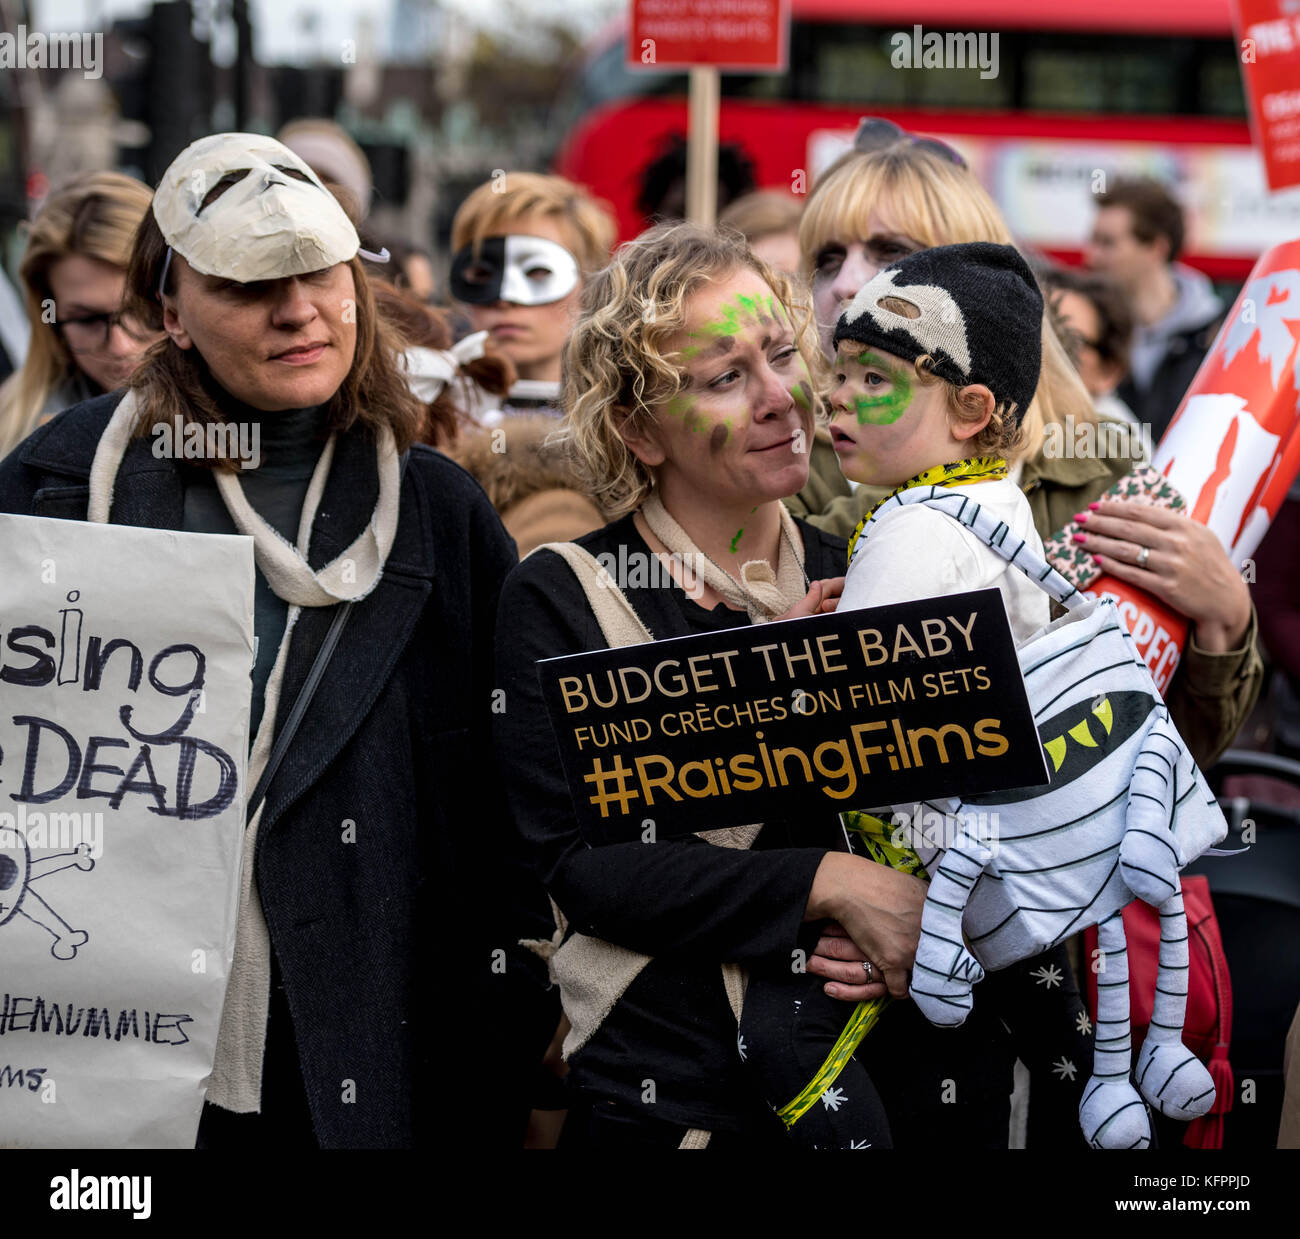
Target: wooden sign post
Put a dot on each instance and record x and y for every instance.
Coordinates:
(708, 38)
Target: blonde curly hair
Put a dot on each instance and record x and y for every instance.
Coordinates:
(616, 371)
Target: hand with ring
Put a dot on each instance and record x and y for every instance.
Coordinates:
(850, 975)
(1176, 559)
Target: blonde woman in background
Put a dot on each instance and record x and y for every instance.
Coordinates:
(73, 274)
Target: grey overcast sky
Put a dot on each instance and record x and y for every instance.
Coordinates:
(283, 28)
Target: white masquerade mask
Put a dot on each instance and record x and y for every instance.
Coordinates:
(244, 207)
(519, 269)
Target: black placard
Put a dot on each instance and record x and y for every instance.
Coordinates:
(856, 709)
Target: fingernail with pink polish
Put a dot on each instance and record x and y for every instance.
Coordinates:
(1094, 506)
(1081, 517)
(1080, 537)
(1096, 559)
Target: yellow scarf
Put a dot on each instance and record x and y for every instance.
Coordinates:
(959, 473)
(874, 834)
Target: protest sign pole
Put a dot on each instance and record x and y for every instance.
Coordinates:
(702, 146)
(705, 38)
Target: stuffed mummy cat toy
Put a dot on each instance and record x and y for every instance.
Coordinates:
(1126, 809)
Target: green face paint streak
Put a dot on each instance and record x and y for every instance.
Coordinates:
(885, 410)
(800, 393)
(740, 532)
(732, 313)
(680, 406)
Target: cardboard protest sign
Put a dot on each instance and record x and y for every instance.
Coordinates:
(125, 658)
(844, 711)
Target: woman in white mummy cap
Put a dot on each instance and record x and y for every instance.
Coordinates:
(333, 1032)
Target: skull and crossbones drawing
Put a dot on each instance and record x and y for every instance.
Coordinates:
(18, 873)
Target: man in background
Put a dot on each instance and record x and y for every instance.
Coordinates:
(1136, 239)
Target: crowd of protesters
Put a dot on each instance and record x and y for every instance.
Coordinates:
(533, 401)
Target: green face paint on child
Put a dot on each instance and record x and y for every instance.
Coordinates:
(887, 408)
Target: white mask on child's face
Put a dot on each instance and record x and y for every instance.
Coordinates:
(274, 219)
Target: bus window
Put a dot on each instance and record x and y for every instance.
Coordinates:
(854, 64)
(1220, 83)
(1101, 79)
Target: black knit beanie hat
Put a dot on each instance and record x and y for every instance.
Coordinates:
(974, 308)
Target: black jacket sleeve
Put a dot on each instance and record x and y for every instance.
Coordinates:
(731, 905)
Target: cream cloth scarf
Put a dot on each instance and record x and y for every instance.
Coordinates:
(236, 1080)
(760, 591)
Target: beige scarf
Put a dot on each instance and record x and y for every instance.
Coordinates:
(760, 591)
(236, 1080)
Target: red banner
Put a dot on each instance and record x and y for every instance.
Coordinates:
(1268, 45)
(742, 35)
(1233, 448)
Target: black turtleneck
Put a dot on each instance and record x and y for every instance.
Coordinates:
(290, 444)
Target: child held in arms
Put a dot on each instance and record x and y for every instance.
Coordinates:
(936, 361)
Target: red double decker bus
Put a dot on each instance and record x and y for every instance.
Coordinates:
(1082, 88)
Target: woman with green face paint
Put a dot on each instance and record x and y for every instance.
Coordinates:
(692, 387)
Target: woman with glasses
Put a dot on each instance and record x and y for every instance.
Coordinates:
(73, 273)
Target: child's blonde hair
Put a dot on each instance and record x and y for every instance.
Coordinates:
(1004, 432)
(616, 369)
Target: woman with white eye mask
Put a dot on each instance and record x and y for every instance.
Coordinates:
(523, 245)
(365, 539)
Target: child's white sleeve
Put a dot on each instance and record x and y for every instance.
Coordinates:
(912, 552)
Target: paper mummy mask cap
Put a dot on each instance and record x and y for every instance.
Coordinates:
(244, 207)
(974, 308)
(520, 269)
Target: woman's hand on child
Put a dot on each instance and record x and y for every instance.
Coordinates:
(1185, 566)
(880, 910)
(821, 599)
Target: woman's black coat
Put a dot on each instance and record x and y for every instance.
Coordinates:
(384, 988)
